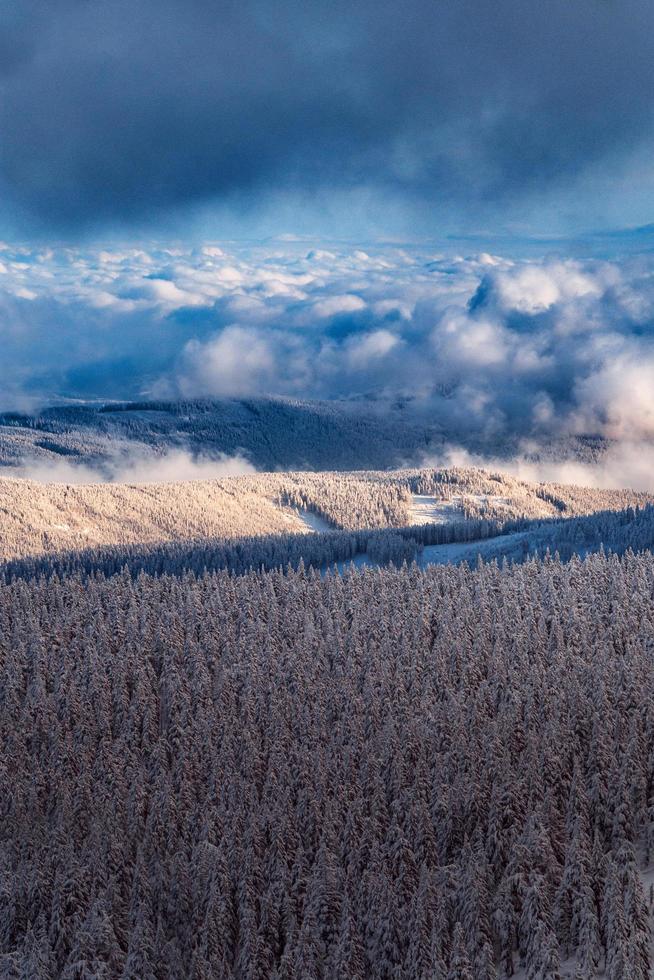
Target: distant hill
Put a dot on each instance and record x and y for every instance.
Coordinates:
(271, 433)
(41, 518)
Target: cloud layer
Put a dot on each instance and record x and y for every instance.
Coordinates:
(488, 345)
(130, 466)
(624, 465)
(115, 111)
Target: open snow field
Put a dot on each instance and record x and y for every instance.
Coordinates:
(488, 548)
(432, 510)
(307, 520)
(425, 509)
(509, 545)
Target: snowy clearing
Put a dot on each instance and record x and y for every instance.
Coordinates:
(305, 520)
(510, 545)
(432, 510)
(425, 509)
(488, 548)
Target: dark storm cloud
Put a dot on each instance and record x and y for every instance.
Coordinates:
(117, 110)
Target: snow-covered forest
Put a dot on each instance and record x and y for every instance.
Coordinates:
(273, 433)
(225, 755)
(395, 773)
(50, 518)
(615, 531)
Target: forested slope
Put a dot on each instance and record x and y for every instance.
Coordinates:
(222, 760)
(272, 433)
(38, 518)
(418, 775)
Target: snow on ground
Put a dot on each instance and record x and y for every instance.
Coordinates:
(459, 551)
(568, 968)
(432, 510)
(511, 545)
(424, 509)
(312, 522)
(305, 521)
(569, 965)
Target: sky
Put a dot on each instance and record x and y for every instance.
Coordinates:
(234, 118)
(447, 201)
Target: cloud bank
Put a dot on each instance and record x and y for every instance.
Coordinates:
(623, 466)
(487, 345)
(134, 467)
(121, 112)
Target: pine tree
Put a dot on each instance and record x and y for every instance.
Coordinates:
(459, 968)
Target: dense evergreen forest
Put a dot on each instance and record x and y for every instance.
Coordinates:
(388, 774)
(224, 758)
(517, 540)
(273, 432)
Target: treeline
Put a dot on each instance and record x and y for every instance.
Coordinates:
(348, 501)
(440, 775)
(483, 494)
(265, 552)
(272, 432)
(616, 532)
(374, 499)
(42, 518)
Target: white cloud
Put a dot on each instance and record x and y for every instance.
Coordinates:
(484, 343)
(531, 288)
(233, 363)
(624, 466)
(363, 349)
(137, 467)
(618, 398)
(336, 305)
